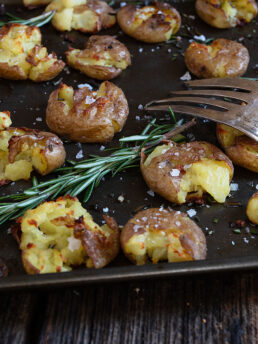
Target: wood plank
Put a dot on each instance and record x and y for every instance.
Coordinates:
(16, 311)
(191, 310)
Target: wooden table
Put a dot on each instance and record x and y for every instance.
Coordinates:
(200, 309)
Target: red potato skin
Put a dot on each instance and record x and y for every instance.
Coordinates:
(154, 29)
(191, 236)
(159, 179)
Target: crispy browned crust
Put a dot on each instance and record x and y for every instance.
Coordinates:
(96, 48)
(154, 29)
(215, 16)
(93, 124)
(234, 56)
(179, 155)
(160, 220)
(243, 151)
(53, 148)
(11, 72)
(106, 14)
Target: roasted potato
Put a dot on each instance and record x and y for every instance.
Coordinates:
(61, 234)
(84, 15)
(87, 116)
(162, 234)
(181, 172)
(154, 23)
(241, 149)
(22, 57)
(35, 3)
(224, 14)
(22, 150)
(252, 209)
(103, 58)
(222, 59)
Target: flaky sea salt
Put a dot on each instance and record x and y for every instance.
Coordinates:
(186, 76)
(175, 172)
(200, 38)
(79, 155)
(86, 85)
(233, 187)
(151, 193)
(191, 212)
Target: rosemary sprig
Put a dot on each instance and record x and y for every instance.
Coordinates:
(35, 21)
(87, 175)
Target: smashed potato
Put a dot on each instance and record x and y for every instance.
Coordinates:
(87, 116)
(162, 234)
(241, 149)
(35, 3)
(252, 209)
(59, 235)
(22, 150)
(222, 59)
(224, 14)
(84, 15)
(103, 58)
(152, 24)
(22, 57)
(180, 172)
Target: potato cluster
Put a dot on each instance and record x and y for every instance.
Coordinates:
(87, 116)
(84, 15)
(59, 235)
(252, 208)
(23, 57)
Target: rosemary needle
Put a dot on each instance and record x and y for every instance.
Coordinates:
(84, 176)
(35, 21)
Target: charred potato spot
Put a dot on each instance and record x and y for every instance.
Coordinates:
(241, 149)
(83, 15)
(87, 116)
(35, 3)
(223, 58)
(180, 172)
(103, 58)
(152, 24)
(162, 234)
(22, 57)
(57, 236)
(22, 150)
(225, 13)
(252, 209)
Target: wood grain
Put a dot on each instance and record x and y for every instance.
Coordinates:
(190, 310)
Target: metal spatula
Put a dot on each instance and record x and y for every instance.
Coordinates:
(238, 107)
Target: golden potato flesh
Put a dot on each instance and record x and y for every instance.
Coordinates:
(22, 150)
(152, 24)
(87, 116)
(61, 234)
(83, 15)
(162, 234)
(241, 149)
(22, 57)
(224, 14)
(222, 59)
(252, 209)
(180, 172)
(103, 58)
(5, 119)
(35, 3)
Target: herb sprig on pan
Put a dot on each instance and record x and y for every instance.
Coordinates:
(36, 21)
(86, 175)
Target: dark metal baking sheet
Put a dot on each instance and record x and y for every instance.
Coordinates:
(154, 72)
